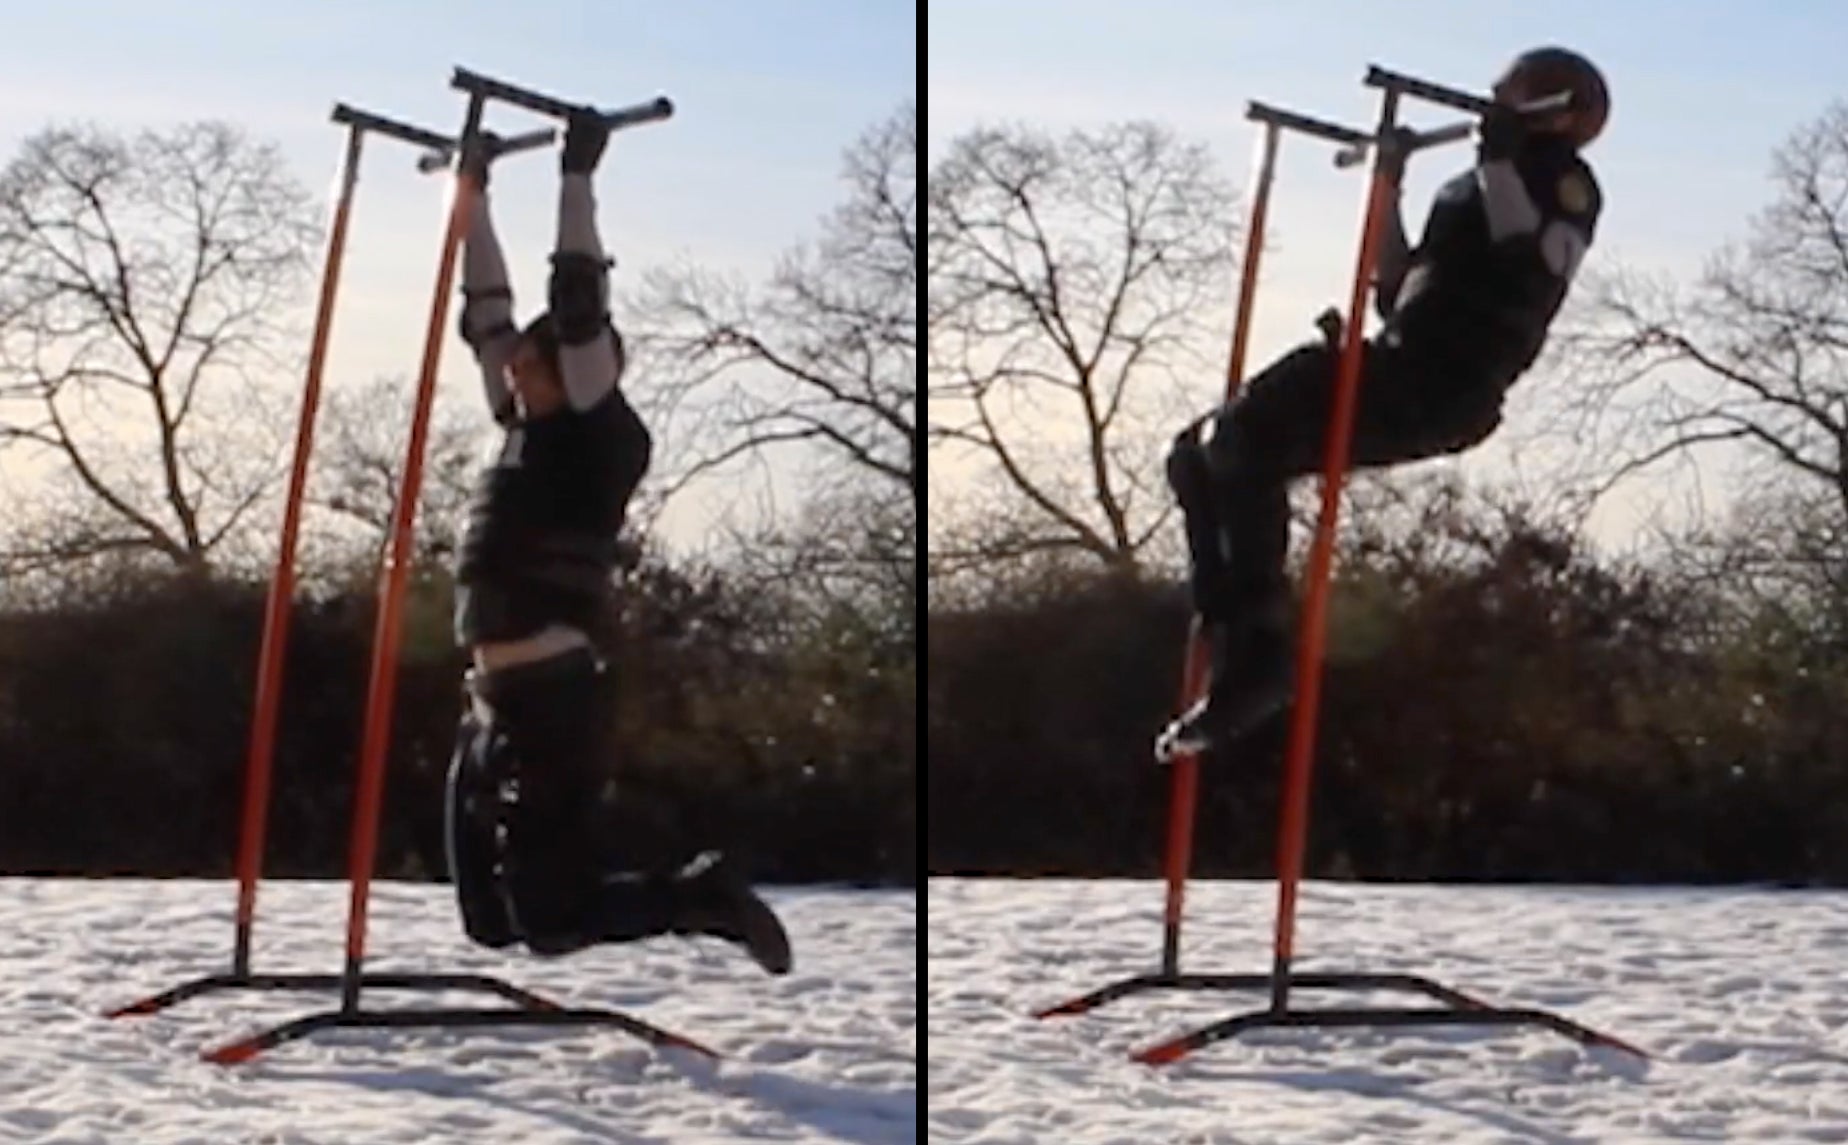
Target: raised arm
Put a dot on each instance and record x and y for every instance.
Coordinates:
(487, 306)
(1395, 253)
(589, 361)
(1394, 259)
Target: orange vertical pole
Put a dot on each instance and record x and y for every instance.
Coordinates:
(1185, 786)
(1298, 762)
(259, 766)
(388, 633)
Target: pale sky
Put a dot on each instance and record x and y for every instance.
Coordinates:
(768, 97)
(1702, 92)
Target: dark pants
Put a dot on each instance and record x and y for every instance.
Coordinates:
(1411, 406)
(538, 856)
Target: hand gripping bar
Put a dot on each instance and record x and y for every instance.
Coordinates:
(475, 83)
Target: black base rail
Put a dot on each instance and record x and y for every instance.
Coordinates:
(1457, 1009)
(529, 1009)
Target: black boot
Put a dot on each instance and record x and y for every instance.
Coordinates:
(1251, 682)
(711, 898)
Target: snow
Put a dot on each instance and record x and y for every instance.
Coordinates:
(828, 1054)
(1739, 995)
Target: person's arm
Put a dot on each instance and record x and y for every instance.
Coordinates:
(1393, 260)
(487, 307)
(1395, 253)
(589, 362)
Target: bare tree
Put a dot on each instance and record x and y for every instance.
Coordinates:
(825, 354)
(1073, 284)
(1750, 360)
(845, 551)
(364, 433)
(817, 366)
(146, 291)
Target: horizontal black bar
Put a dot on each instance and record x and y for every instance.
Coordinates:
(1460, 100)
(477, 84)
(1319, 980)
(244, 1049)
(1426, 90)
(1308, 125)
(366, 121)
(1177, 1048)
(388, 981)
(544, 137)
(1421, 140)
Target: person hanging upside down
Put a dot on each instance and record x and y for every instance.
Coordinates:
(1465, 313)
(534, 571)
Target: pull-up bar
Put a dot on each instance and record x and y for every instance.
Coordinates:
(529, 1008)
(259, 763)
(1304, 124)
(1184, 792)
(441, 148)
(381, 695)
(1454, 1007)
(482, 86)
(389, 630)
(1452, 98)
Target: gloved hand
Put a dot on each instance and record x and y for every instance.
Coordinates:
(586, 135)
(477, 154)
(1500, 133)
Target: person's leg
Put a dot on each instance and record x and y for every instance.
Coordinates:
(561, 895)
(472, 814)
(1409, 407)
(1234, 493)
(547, 711)
(708, 897)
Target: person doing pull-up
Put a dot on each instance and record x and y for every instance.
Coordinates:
(534, 571)
(1466, 313)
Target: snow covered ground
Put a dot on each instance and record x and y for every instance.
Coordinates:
(1740, 995)
(828, 1054)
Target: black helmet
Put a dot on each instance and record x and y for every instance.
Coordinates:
(1544, 71)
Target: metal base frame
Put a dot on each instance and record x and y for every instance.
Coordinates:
(530, 1010)
(1456, 1009)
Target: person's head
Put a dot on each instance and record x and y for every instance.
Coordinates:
(532, 369)
(1542, 72)
(533, 373)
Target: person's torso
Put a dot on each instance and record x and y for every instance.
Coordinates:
(1483, 305)
(556, 496)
